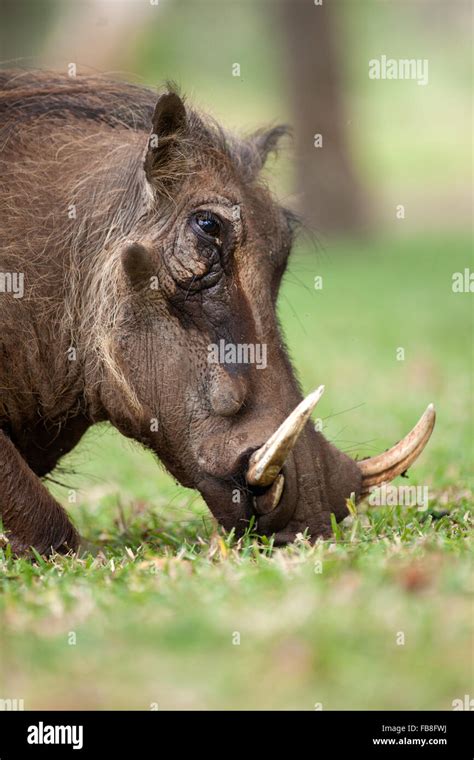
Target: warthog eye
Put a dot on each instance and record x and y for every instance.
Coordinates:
(206, 224)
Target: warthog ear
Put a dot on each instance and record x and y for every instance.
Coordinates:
(168, 124)
(266, 142)
(137, 264)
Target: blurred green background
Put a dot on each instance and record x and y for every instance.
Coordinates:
(406, 144)
(155, 613)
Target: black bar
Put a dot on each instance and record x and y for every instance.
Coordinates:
(126, 733)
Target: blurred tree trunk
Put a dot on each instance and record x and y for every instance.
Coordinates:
(331, 200)
(23, 26)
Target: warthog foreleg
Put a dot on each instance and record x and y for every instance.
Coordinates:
(30, 515)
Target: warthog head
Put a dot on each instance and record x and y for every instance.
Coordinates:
(198, 342)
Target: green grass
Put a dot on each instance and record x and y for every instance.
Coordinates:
(157, 612)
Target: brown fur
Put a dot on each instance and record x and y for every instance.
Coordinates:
(141, 353)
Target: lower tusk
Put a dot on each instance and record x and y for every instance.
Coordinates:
(385, 467)
(269, 500)
(267, 461)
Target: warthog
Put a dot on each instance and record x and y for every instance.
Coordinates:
(144, 236)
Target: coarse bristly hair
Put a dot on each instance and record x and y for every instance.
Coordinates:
(99, 129)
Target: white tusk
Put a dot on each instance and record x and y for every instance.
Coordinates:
(267, 461)
(386, 466)
(271, 498)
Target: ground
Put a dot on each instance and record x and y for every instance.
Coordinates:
(172, 613)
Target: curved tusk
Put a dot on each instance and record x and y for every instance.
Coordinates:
(386, 466)
(271, 498)
(267, 461)
(385, 477)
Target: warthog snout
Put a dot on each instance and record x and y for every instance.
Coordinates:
(276, 482)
